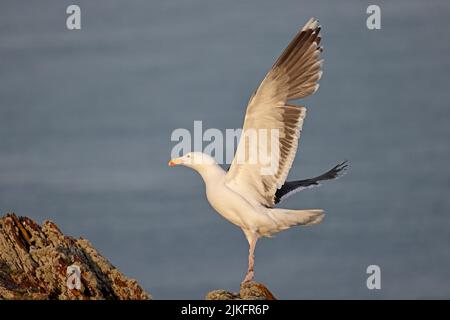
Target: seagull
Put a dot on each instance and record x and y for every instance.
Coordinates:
(246, 195)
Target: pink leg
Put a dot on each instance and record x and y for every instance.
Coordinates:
(251, 259)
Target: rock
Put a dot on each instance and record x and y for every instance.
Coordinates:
(34, 261)
(222, 295)
(249, 291)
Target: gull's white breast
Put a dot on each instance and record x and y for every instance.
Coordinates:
(233, 207)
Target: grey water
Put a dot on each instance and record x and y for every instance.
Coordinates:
(86, 118)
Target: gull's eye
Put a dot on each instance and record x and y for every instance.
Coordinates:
(188, 156)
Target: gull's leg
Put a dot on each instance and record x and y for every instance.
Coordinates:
(251, 258)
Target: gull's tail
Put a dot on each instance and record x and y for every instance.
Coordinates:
(285, 218)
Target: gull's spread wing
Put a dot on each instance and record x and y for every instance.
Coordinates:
(273, 123)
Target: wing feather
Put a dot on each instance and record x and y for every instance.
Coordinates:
(293, 76)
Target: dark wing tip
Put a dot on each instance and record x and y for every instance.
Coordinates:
(336, 172)
(339, 169)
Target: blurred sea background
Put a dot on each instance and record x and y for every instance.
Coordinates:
(86, 118)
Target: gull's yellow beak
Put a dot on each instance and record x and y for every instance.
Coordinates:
(174, 162)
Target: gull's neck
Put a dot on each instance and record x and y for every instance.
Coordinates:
(211, 173)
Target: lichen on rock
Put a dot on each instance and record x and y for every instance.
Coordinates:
(34, 261)
(249, 291)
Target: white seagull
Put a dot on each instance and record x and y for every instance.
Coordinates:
(245, 195)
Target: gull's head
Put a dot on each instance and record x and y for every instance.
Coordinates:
(194, 160)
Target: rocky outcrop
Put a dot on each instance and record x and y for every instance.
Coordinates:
(248, 291)
(40, 262)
